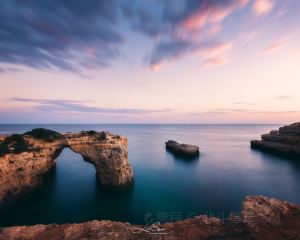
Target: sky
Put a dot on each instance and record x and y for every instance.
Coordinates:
(150, 61)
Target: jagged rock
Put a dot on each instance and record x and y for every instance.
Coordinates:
(271, 219)
(262, 218)
(26, 159)
(184, 150)
(285, 141)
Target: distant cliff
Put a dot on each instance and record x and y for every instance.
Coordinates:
(285, 141)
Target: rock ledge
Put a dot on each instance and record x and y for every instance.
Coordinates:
(285, 141)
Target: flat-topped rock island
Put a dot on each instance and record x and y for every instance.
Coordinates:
(26, 159)
(182, 149)
(284, 142)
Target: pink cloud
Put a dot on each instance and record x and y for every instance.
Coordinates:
(215, 29)
(262, 7)
(214, 62)
(276, 45)
(214, 50)
(211, 14)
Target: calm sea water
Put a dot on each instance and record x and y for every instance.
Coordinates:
(166, 188)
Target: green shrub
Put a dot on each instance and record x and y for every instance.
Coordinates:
(44, 134)
(14, 144)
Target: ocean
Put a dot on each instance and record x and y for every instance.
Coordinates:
(166, 188)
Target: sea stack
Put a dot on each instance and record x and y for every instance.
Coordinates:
(182, 150)
(26, 159)
(284, 142)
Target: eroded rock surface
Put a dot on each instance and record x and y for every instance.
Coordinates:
(108, 153)
(26, 159)
(285, 141)
(271, 219)
(262, 219)
(183, 150)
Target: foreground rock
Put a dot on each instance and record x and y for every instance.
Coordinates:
(285, 141)
(26, 159)
(184, 150)
(262, 218)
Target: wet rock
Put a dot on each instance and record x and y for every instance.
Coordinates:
(183, 150)
(285, 141)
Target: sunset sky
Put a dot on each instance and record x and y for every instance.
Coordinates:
(150, 61)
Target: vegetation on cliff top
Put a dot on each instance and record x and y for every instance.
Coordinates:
(44, 134)
(16, 143)
(13, 144)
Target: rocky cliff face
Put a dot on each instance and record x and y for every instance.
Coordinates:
(26, 159)
(262, 219)
(285, 141)
(24, 163)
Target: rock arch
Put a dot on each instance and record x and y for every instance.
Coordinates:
(26, 159)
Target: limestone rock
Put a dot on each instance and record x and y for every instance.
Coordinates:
(271, 219)
(262, 218)
(184, 150)
(26, 159)
(109, 155)
(285, 141)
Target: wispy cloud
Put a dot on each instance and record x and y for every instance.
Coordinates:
(49, 105)
(247, 111)
(214, 62)
(284, 97)
(276, 45)
(262, 7)
(245, 103)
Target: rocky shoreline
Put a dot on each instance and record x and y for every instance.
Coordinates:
(26, 159)
(262, 218)
(284, 142)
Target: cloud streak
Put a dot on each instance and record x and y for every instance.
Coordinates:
(62, 35)
(278, 44)
(284, 97)
(49, 105)
(180, 27)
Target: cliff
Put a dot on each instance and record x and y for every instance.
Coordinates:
(262, 218)
(26, 159)
(285, 141)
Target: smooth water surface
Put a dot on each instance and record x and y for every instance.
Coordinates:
(226, 171)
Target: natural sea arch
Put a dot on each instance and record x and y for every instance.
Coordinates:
(71, 193)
